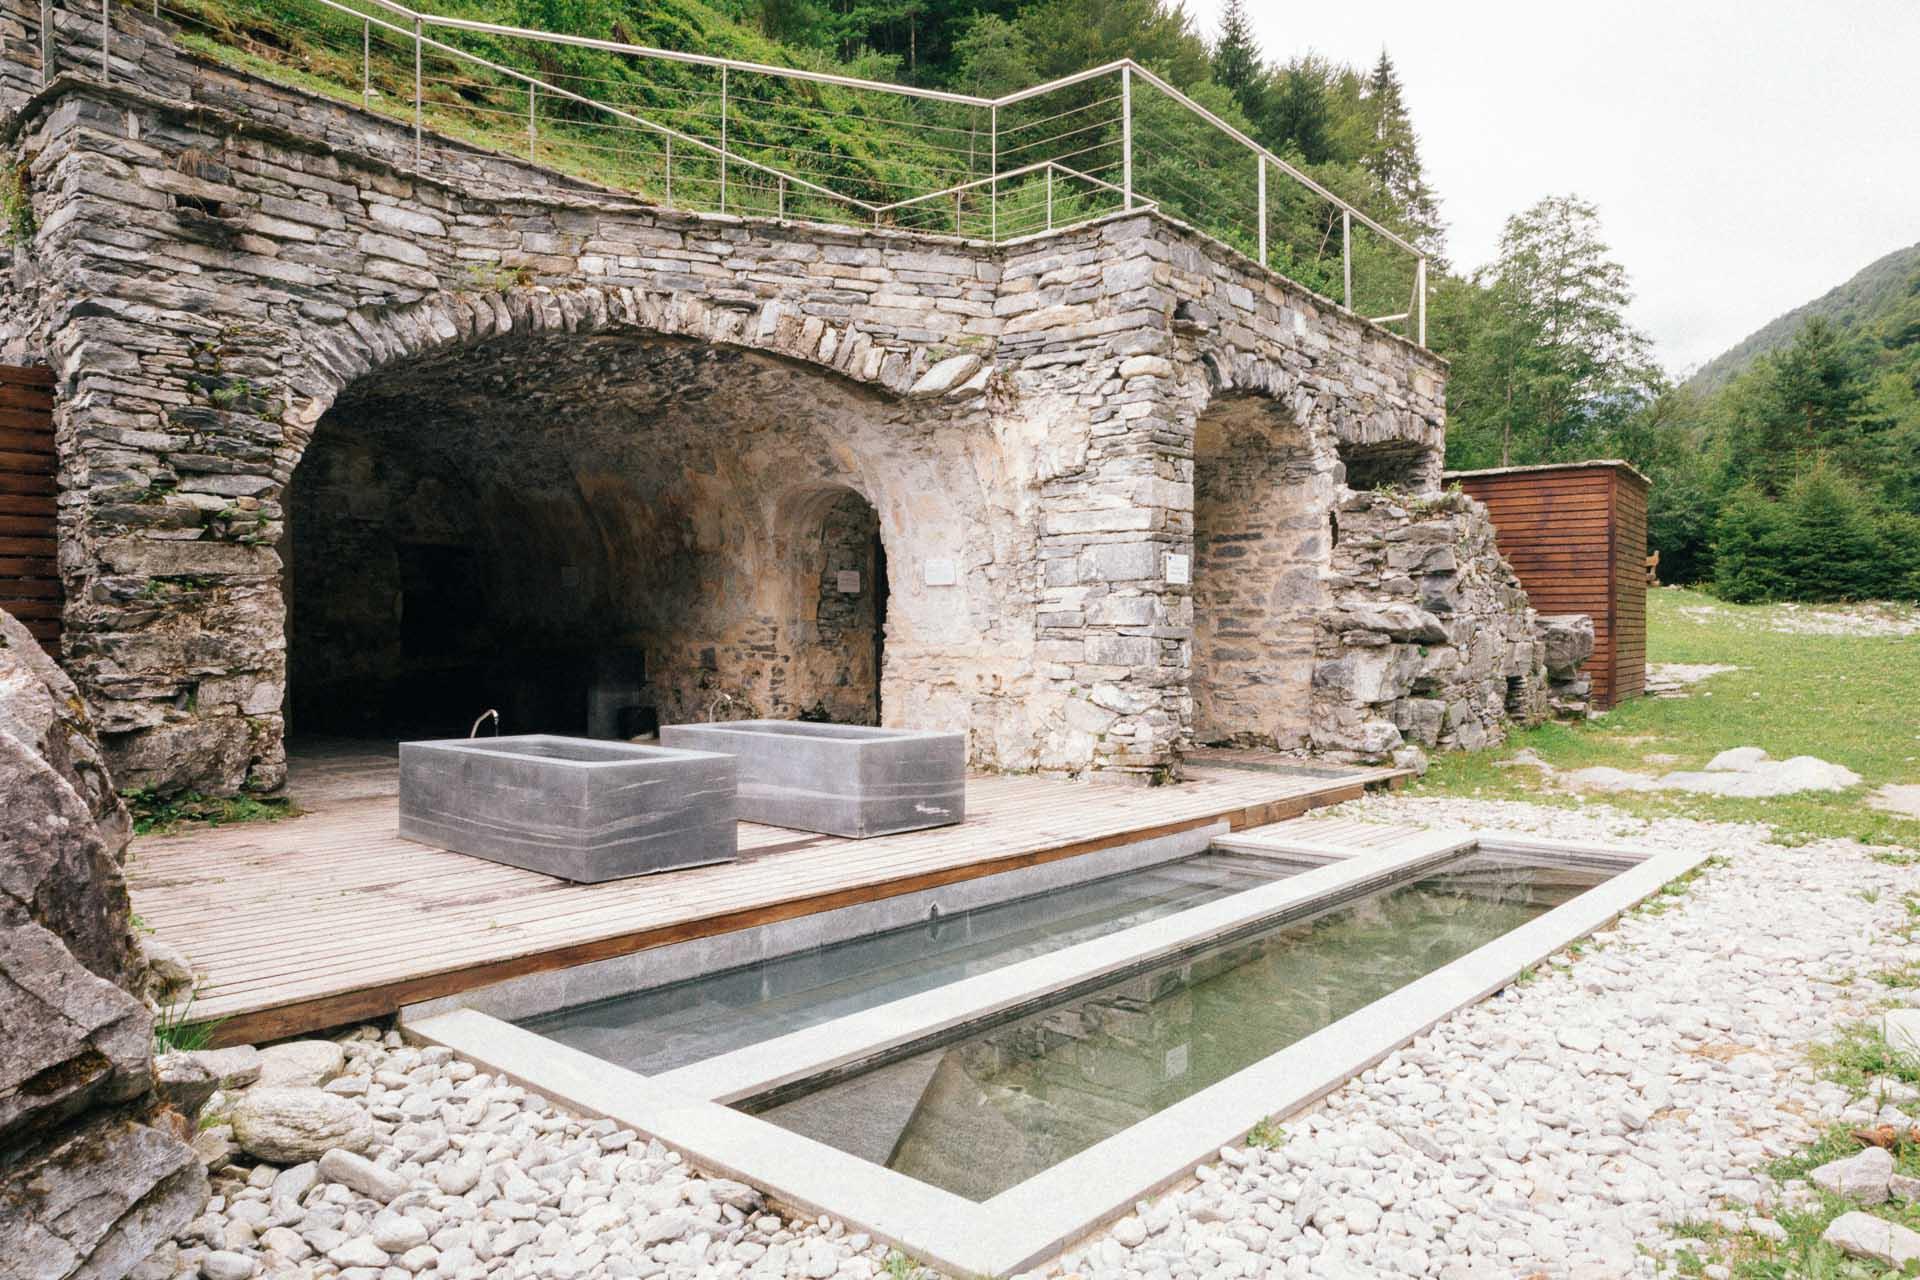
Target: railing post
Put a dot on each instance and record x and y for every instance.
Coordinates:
(1049, 197)
(1346, 258)
(106, 39)
(723, 139)
(366, 64)
(1261, 161)
(533, 128)
(1126, 132)
(48, 46)
(956, 213)
(993, 174)
(1420, 291)
(783, 198)
(417, 98)
(669, 171)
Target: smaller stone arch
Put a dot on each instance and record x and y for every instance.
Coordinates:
(829, 543)
(1263, 490)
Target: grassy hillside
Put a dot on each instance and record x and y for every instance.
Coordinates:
(872, 146)
(1858, 306)
(1845, 698)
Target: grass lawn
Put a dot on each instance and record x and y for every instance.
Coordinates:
(1852, 700)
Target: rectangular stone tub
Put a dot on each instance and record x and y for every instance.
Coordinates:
(842, 779)
(575, 808)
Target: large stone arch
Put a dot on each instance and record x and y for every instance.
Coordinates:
(1276, 441)
(210, 273)
(716, 518)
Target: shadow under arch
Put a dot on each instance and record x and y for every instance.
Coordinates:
(583, 521)
(829, 536)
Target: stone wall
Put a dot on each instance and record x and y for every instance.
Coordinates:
(1260, 553)
(1429, 641)
(92, 1174)
(225, 269)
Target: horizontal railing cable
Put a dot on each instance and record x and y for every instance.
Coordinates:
(719, 131)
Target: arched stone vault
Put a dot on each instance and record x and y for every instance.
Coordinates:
(656, 494)
(215, 272)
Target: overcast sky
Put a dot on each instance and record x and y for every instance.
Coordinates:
(1745, 157)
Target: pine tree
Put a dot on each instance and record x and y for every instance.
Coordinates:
(1298, 117)
(992, 58)
(1394, 155)
(1236, 60)
(1808, 404)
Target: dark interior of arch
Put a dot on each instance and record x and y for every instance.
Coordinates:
(587, 534)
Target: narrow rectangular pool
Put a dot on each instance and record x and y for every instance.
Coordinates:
(662, 1028)
(989, 1107)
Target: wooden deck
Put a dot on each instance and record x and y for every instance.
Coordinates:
(330, 917)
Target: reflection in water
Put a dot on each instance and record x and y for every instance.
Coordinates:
(993, 1109)
(666, 1027)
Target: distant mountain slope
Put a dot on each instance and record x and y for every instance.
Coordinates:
(1859, 303)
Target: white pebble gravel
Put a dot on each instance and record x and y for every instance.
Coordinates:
(1556, 1129)
(1561, 1127)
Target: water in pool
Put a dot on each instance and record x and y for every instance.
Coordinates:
(987, 1111)
(667, 1027)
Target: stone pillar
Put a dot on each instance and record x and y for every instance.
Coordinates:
(172, 453)
(1114, 626)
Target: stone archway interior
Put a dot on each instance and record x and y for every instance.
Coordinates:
(1261, 544)
(588, 534)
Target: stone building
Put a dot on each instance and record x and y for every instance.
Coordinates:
(351, 445)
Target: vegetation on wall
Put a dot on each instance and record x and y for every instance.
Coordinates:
(1787, 469)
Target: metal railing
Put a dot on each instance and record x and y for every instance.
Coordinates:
(708, 133)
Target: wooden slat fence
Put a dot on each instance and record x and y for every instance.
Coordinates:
(1576, 534)
(29, 574)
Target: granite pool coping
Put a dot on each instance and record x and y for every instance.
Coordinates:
(1036, 1219)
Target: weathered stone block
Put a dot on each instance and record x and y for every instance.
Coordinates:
(847, 780)
(576, 808)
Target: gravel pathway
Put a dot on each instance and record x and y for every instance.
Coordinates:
(1557, 1128)
(1552, 1130)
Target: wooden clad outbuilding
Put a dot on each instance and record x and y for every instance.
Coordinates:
(29, 576)
(1576, 534)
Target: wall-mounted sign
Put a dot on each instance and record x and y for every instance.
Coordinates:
(847, 581)
(941, 573)
(1179, 570)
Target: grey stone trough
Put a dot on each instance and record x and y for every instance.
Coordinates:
(574, 808)
(841, 779)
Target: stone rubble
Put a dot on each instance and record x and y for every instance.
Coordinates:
(1746, 772)
(93, 1171)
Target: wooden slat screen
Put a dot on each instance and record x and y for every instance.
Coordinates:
(1577, 537)
(29, 574)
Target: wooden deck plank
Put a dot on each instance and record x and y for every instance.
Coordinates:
(330, 917)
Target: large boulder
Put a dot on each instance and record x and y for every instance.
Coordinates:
(1569, 640)
(90, 1178)
(291, 1125)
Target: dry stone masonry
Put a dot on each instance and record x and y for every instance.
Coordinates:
(1429, 641)
(491, 437)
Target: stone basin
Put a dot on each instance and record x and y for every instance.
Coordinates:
(575, 808)
(840, 779)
